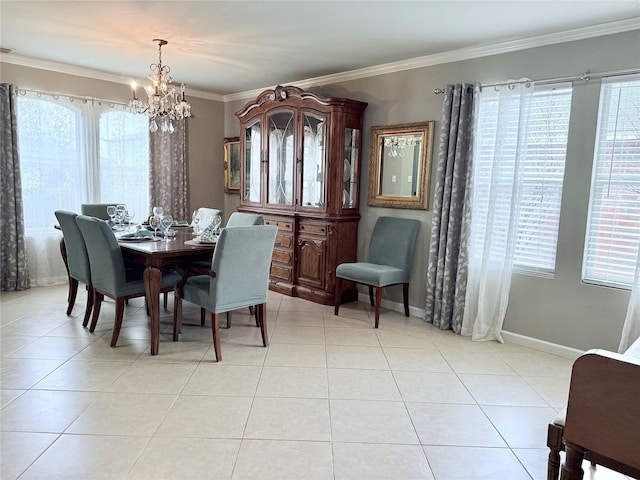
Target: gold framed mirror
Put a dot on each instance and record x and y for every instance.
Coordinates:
(400, 165)
(232, 165)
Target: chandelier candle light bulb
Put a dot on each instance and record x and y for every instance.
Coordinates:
(164, 105)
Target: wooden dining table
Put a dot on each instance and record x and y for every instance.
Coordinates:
(159, 255)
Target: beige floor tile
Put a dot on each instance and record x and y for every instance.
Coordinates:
(432, 387)
(361, 421)
(295, 304)
(446, 424)
(533, 363)
(395, 338)
(126, 350)
(362, 385)
(186, 458)
(153, 378)
(474, 463)
(82, 457)
(289, 419)
(84, 375)
(23, 373)
(292, 355)
(502, 390)
(132, 414)
(299, 335)
(34, 325)
(521, 427)
(9, 395)
(416, 360)
(293, 382)
(45, 411)
(482, 362)
(19, 450)
(351, 336)
(238, 353)
(300, 319)
(222, 379)
(206, 417)
(12, 343)
(347, 319)
(191, 352)
(62, 348)
(555, 390)
(349, 356)
(378, 461)
(305, 460)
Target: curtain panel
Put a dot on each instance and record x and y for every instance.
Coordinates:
(447, 268)
(168, 171)
(14, 268)
(631, 327)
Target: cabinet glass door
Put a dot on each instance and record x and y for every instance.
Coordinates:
(252, 157)
(350, 174)
(281, 147)
(313, 164)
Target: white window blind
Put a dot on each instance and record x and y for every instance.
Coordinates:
(613, 228)
(542, 173)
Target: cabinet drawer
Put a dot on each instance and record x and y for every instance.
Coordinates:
(284, 240)
(281, 272)
(315, 229)
(282, 256)
(282, 225)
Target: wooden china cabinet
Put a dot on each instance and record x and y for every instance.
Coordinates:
(300, 169)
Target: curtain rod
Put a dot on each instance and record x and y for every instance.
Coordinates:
(56, 96)
(585, 77)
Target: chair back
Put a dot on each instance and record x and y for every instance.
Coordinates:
(239, 219)
(98, 210)
(105, 257)
(393, 242)
(77, 257)
(242, 262)
(206, 214)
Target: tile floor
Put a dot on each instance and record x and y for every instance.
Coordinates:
(330, 398)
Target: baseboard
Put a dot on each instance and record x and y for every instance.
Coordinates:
(515, 338)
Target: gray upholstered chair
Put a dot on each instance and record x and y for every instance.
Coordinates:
(98, 210)
(388, 263)
(239, 219)
(108, 273)
(238, 277)
(206, 215)
(77, 261)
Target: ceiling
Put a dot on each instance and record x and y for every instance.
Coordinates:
(227, 47)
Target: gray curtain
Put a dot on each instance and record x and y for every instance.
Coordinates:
(447, 269)
(168, 166)
(14, 269)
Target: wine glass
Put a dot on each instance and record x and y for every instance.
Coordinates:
(165, 223)
(195, 220)
(154, 222)
(111, 211)
(158, 211)
(216, 220)
(120, 213)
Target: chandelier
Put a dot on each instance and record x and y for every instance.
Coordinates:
(396, 145)
(164, 104)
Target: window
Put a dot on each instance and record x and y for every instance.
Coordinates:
(542, 173)
(64, 163)
(613, 225)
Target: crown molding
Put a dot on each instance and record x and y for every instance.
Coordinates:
(459, 55)
(419, 62)
(88, 73)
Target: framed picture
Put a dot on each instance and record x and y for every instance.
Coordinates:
(232, 165)
(400, 165)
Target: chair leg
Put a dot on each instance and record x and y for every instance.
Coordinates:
(228, 319)
(554, 442)
(371, 295)
(97, 303)
(405, 297)
(215, 328)
(73, 292)
(177, 317)
(252, 310)
(255, 314)
(377, 306)
(203, 312)
(337, 296)
(572, 470)
(261, 314)
(118, 323)
(166, 296)
(89, 307)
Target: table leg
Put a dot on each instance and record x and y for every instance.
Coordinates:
(152, 277)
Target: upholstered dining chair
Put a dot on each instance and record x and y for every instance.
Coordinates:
(206, 215)
(237, 277)
(108, 273)
(77, 261)
(389, 262)
(98, 210)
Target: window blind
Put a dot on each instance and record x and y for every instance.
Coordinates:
(613, 228)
